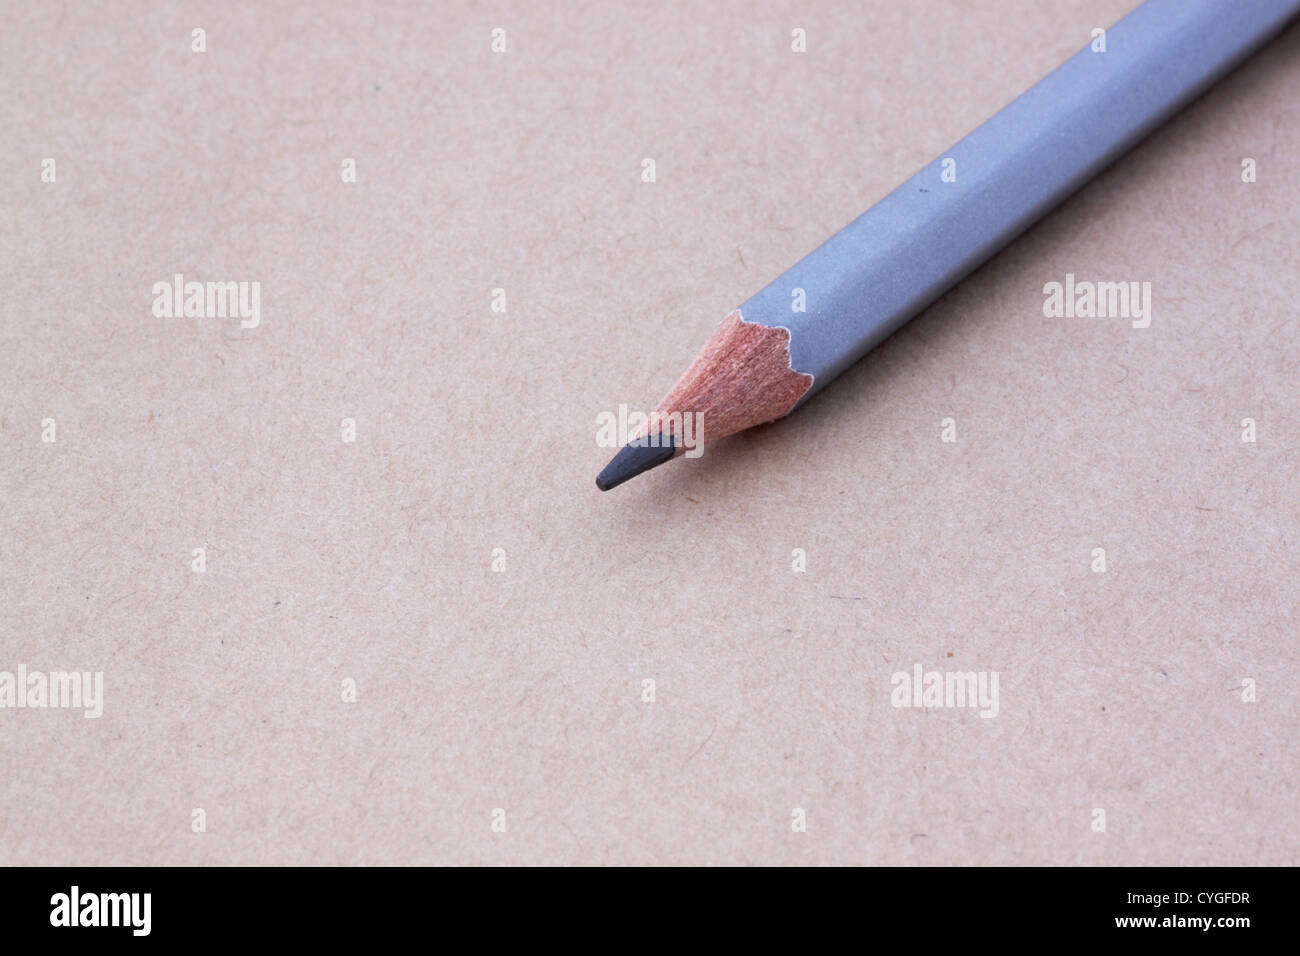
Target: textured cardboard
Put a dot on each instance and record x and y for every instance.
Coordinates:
(1161, 690)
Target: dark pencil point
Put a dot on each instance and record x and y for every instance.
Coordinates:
(632, 459)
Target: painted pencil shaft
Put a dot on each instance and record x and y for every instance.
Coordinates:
(924, 237)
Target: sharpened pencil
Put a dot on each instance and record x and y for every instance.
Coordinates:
(767, 358)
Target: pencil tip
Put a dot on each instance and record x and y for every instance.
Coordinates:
(631, 460)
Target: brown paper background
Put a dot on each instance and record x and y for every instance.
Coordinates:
(521, 690)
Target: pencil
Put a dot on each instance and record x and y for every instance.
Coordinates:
(794, 337)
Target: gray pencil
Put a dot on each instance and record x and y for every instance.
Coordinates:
(843, 299)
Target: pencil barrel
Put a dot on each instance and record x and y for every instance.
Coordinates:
(948, 219)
